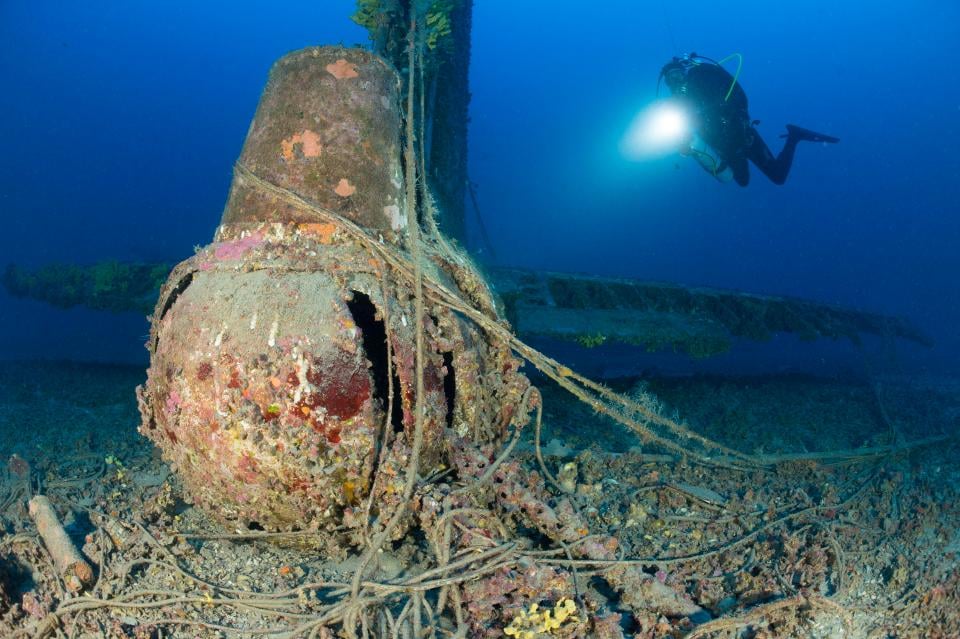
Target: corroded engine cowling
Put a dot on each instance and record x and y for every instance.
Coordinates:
(275, 350)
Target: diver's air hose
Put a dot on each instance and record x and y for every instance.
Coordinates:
(701, 157)
(736, 76)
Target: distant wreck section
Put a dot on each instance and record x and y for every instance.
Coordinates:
(113, 286)
(700, 322)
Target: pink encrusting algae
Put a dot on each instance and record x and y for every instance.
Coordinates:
(235, 249)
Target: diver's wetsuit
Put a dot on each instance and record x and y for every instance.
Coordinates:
(725, 124)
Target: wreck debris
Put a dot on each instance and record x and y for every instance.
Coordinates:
(284, 379)
(444, 91)
(278, 353)
(76, 572)
(19, 467)
(105, 286)
(901, 582)
(700, 322)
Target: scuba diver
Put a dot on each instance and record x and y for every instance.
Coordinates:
(718, 106)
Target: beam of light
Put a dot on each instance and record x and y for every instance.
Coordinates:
(660, 129)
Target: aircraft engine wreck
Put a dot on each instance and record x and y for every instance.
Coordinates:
(282, 381)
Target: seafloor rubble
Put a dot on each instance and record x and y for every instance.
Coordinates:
(859, 547)
(355, 452)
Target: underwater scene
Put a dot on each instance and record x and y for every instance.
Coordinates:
(477, 319)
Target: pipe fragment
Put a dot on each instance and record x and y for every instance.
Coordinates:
(74, 569)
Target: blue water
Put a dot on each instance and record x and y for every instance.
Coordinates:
(120, 122)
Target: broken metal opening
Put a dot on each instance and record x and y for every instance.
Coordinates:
(171, 299)
(449, 386)
(373, 334)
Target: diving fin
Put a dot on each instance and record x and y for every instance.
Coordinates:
(800, 133)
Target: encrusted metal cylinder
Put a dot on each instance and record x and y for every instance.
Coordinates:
(328, 129)
(283, 355)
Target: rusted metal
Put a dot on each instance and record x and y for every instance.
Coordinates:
(269, 386)
(328, 129)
